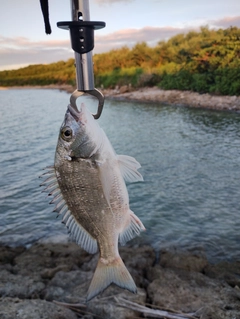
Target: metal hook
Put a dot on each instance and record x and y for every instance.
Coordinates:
(96, 93)
(73, 98)
(100, 98)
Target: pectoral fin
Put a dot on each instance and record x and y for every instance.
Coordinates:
(129, 168)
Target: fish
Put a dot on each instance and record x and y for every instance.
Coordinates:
(88, 186)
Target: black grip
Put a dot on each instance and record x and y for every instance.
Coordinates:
(82, 33)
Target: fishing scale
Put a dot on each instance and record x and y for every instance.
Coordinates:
(82, 41)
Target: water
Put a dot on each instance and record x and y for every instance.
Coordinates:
(190, 163)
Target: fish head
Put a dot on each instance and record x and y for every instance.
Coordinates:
(76, 136)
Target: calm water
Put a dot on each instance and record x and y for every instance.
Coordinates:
(190, 163)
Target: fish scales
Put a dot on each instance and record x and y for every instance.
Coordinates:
(88, 187)
(81, 188)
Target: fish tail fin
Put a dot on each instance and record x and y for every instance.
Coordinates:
(107, 273)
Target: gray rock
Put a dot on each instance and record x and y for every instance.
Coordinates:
(229, 272)
(7, 254)
(182, 281)
(49, 273)
(45, 259)
(214, 312)
(175, 97)
(33, 309)
(138, 261)
(106, 307)
(173, 258)
(91, 264)
(190, 291)
(69, 286)
(19, 286)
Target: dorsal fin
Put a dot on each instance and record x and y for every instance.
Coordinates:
(78, 233)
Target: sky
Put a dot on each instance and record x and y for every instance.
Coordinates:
(23, 40)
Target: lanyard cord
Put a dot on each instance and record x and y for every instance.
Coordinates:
(45, 12)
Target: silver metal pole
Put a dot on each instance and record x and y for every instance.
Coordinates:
(82, 39)
(84, 64)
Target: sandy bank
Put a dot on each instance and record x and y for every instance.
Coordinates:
(178, 281)
(178, 98)
(171, 97)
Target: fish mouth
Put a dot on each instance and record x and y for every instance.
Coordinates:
(74, 112)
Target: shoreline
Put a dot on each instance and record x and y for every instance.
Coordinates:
(156, 95)
(177, 98)
(36, 281)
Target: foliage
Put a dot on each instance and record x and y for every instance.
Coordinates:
(119, 77)
(204, 61)
(40, 74)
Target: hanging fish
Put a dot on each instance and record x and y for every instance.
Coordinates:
(89, 191)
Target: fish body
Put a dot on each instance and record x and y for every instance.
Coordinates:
(88, 186)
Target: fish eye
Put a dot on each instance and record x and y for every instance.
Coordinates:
(66, 133)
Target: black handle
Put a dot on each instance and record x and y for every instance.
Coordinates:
(82, 33)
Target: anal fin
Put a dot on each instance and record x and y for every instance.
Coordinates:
(132, 229)
(80, 235)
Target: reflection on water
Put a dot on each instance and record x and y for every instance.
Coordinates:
(190, 163)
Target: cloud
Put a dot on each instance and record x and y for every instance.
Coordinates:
(226, 22)
(129, 37)
(25, 43)
(20, 51)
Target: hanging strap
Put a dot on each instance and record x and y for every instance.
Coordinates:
(45, 12)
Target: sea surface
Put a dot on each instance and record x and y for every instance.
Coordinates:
(190, 158)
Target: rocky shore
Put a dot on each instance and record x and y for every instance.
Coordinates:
(50, 281)
(154, 94)
(177, 98)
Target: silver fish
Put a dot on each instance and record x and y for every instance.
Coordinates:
(89, 191)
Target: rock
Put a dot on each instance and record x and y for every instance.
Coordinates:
(138, 260)
(196, 261)
(180, 280)
(69, 286)
(229, 272)
(186, 291)
(106, 306)
(7, 254)
(214, 312)
(124, 89)
(33, 309)
(19, 286)
(44, 259)
(179, 98)
(90, 265)
(49, 273)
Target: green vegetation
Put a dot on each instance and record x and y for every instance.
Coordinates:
(40, 74)
(205, 61)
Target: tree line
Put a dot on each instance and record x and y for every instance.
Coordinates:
(207, 61)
